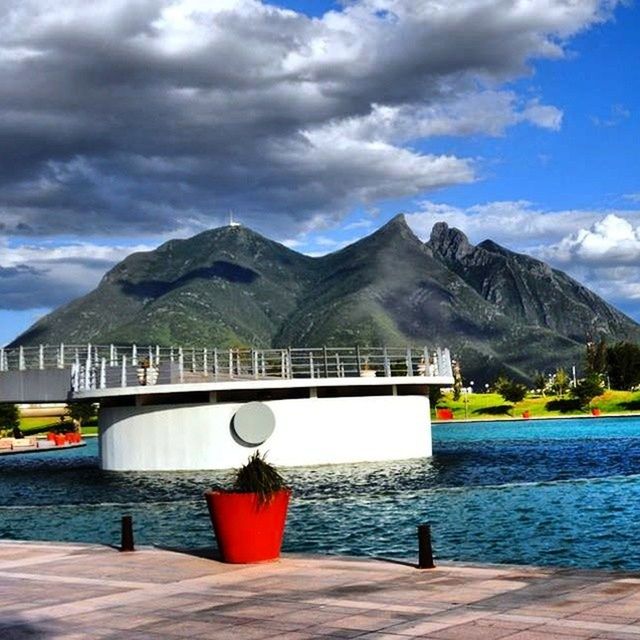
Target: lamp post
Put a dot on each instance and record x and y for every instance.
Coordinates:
(466, 399)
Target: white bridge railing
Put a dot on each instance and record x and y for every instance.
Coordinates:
(114, 366)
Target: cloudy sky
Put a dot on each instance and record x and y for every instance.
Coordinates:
(127, 122)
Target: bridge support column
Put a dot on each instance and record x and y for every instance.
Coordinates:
(308, 431)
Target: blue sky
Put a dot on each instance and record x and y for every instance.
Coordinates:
(524, 132)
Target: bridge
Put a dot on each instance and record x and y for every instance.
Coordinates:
(199, 408)
(63, 373)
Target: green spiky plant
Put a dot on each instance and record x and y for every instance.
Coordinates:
(260, 477)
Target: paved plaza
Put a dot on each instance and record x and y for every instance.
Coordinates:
(77, 591)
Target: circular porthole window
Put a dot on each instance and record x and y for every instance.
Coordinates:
(253, 423)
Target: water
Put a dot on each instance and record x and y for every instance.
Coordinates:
(549, 492)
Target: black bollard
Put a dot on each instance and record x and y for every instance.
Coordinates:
(127, 534)
(425, 552)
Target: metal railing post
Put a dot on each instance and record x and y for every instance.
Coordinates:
(215, 364)
(325, 357)
(21, 365)
(123, 372)
(289, 364)
(103, 373)
(75, 383)
(87, 373)
(409, 363)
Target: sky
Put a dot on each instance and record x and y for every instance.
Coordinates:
(126, 123)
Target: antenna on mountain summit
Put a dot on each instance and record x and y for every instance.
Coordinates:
(232, 223)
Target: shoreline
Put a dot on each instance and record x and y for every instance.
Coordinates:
(626, 414)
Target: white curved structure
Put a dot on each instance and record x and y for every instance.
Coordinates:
(308, 432)
(304, 406)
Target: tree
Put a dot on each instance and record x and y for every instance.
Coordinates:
(560, 382)
(587, 389)
(510, 390)
(81, 413)
(623, 365)
(596, 357)
(9, 416)
(540, 381)
(457, 380)
(435, 395)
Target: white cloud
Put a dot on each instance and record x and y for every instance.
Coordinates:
(45, 276)
(147, 115)
(613, 240)
(514, 223)
(618, 114)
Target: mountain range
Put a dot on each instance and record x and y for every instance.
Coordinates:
(499, 311)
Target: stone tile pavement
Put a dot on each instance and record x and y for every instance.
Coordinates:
(75, 592)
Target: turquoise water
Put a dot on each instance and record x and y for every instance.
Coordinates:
(548, 492)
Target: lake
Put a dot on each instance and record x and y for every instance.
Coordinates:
(557, 492)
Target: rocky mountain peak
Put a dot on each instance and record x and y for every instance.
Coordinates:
(449, 242)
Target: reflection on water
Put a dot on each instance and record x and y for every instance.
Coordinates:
(556, 492)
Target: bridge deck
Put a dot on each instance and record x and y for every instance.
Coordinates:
(59, 373)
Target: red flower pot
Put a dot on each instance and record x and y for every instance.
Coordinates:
(595, 411)
(526, 414)
(247, 531)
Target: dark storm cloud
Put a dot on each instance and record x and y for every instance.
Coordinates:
(147, 116)
(47, 276)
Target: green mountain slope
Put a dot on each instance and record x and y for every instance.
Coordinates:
(499, 311)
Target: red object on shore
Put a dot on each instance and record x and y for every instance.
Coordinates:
(51, 436)
(526, 414)
(59, 439)
(595, 411)
(245, 530)
(444, 414)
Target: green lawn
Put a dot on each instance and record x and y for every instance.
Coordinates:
(486, 406)
(479, 406)
(33, 426)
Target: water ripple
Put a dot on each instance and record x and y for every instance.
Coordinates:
(554, 492)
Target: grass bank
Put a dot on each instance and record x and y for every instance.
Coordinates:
(489, 406)
(34, 425)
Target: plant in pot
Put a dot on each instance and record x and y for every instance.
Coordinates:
(248, 519)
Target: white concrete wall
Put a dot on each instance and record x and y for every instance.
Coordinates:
(308, 432)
